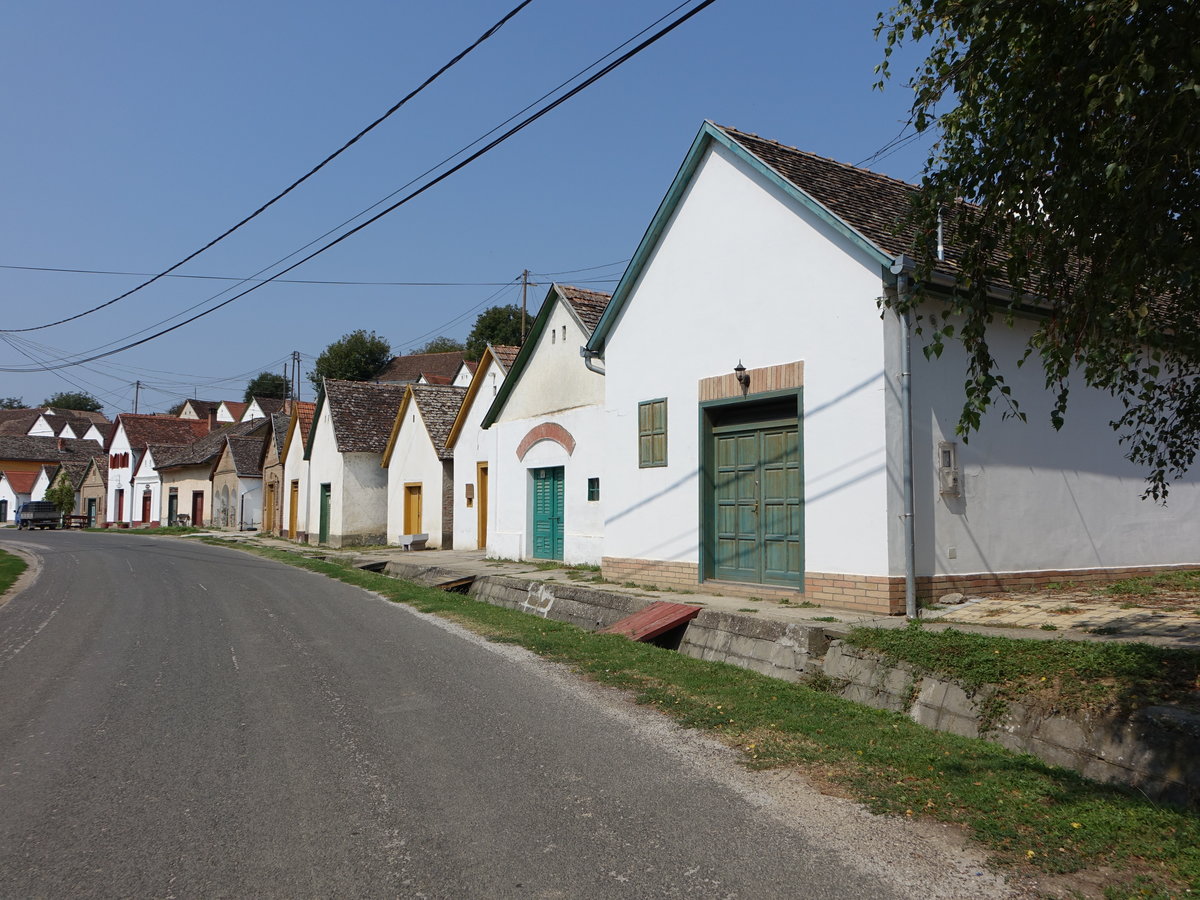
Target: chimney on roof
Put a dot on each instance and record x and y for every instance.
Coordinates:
(212, 419)
(62, 443)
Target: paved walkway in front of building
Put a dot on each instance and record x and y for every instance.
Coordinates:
(1077, 614)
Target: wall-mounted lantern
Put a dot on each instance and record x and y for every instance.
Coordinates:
(742, 376)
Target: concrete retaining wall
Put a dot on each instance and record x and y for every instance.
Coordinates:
(1156, 749)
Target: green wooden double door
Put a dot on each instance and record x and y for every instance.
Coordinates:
(757, 505)
(546, 499)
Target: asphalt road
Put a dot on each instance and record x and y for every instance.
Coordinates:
(179, 720)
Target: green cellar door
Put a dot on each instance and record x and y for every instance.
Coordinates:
(758, 510)
(548, 512)
(323, 533)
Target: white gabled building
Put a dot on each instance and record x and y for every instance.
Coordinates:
(768, 456)
(474, 450)
(347, 486)
(126, 446)
(420, 468)
(294, 523)
(549, 451)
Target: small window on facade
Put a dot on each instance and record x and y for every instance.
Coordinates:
(554, 336)
(593, 490)
(652, 433)
(564, 334)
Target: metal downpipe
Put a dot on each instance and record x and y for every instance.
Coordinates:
(900, 269)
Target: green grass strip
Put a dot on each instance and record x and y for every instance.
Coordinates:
(1075, 675)
(1027, 813)
(11, 567)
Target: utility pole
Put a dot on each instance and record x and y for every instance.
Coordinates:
(524, 289)
(295, 375)
(137, 389)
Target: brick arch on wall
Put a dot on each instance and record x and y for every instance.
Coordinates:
(547, 431)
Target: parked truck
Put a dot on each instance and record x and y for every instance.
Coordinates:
(38, 514)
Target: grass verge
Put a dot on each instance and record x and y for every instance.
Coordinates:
(1073, 675)
(1030, 815)
(1149, 585)
(11, 567)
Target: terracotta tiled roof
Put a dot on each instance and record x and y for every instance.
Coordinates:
(247, 454)
(304, 418)
(439, 404)
(21, 482)
(362, 413)
(410, 368)
(472, 365)
(208, 447)
(203, 407)
(505, 354)
(45, 449)
(588, 305)
(436, 379)
(97, 417)
(143, 430)
(236, 408)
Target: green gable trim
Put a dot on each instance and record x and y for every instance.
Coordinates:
(312, 431)
(522, 360)
(708, 134)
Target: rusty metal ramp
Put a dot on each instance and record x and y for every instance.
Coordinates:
(656, 619)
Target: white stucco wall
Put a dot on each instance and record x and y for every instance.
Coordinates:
(147, 478)
(295, 468)
(509, 534)
(41, 484)
(187, 480)
(120, 478)
(474, 446)
(358, 490)
(1033, 498)
(742, 272)
(413, 461)
(553, 387)
(12, 501)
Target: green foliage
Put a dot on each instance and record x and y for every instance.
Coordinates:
(357, 356)
(11, 567)
(267, 384)
(441, 344)
(61, 494)
(177, 408)
(1075, 129)
(495, 325)
(12, 403)
(74, 400)
(1023, 810)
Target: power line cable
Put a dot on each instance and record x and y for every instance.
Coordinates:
(243, 280)
(573, 271)
(524, 123)
(299, 181)
(398, 190)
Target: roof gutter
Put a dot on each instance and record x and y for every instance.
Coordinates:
(901, 267)
(589, 358)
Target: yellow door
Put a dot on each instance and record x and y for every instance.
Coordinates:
(269, 510)
(293, 510)
(412, 509)
(481, 503)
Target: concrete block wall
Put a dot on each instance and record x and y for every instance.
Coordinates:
(1156, 749)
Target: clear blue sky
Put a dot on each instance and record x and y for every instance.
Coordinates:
(136, 132)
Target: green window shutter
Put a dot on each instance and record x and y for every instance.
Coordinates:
(652, 433)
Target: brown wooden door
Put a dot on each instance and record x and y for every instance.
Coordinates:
(293, 509)
(269, 509)
(146, 499)
(481, 502)
(120, 505)
(197, 509)
(412, 509)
